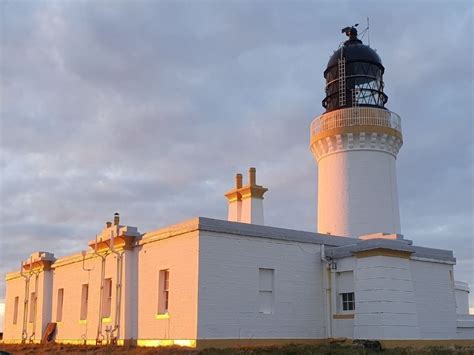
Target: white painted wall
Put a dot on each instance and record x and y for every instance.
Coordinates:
(14, 288)
(71, 277)
(179, 254)
(465, 326)
(386, 304)
(343, 328)
(47, 300)
(357, 193)
(435, 299)
(129, 316)
(234, 211)
(228, 288)
(252, 211)
(462, 297)
(344, 282)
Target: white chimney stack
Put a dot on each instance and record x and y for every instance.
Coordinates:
(246, 202)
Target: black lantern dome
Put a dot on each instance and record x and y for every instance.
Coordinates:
(354, 76)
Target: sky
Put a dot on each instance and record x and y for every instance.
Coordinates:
(149, 108)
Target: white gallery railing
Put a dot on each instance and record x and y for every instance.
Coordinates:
(356, 116)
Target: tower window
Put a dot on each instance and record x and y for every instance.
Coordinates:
(348, 301)
(163, 291)
(265, 290)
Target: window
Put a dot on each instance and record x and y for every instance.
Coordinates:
(15, 310)
(59, 310)
(84, 301)
(265, 291)
(163, 291)
(32, 306)
(345, 289)
(348, 301)
(107, 298)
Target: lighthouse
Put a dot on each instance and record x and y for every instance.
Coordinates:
(355, 143)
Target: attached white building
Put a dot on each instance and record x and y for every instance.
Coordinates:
(208, 282)
(212, 282)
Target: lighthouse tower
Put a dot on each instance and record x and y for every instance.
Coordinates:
(355, 144)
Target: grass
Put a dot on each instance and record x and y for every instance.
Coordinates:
(333, 349)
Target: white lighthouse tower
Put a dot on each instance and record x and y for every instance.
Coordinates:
(355, 143)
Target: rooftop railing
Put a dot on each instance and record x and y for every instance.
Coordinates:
(356, 116)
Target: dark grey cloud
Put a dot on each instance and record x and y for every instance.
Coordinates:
(149, 108)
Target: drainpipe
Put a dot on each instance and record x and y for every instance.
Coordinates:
(327, 290)
(84, 336)
(100, 336)
(332, 291)
(118, 286)
(24, 331)
(35, 309)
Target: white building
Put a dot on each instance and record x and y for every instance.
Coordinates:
(207, 282)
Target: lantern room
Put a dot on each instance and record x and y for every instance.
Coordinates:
(354, 76)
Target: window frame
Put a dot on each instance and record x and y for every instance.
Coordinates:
(347, 301)
(84, 302)
(59, 305)
(107, 298)
(163, 305)
(266, 292)
(16, 302)
(32, 315)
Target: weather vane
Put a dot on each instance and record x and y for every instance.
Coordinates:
(351, 31)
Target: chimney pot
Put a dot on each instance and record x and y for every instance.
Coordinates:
(108, 224)
(252, 176)
(116, 219)
(238, 181)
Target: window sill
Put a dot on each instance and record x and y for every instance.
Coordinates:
(162, 316)
(82, 321)
(107, 320)
(343, 316)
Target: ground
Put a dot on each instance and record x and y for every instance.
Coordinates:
(335, 349)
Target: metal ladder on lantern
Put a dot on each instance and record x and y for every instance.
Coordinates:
(355, 95)
(342, 81)
(355, 115)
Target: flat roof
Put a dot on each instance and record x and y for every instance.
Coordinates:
(259, 231)
(338, 246)
(397, 245)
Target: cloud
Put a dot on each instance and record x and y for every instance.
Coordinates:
(149, 108)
